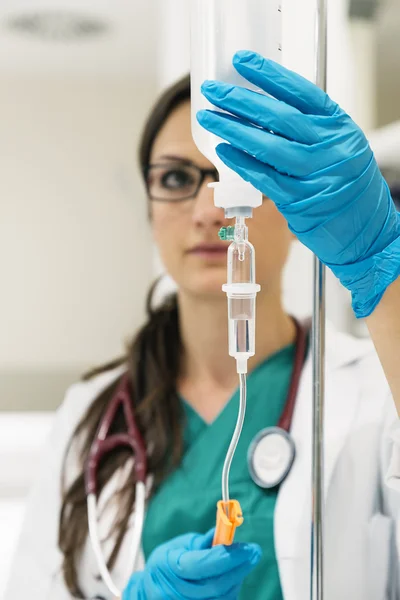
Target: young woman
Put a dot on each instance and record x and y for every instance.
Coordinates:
(183, 383)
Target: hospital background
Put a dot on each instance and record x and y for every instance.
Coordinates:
(76, 255)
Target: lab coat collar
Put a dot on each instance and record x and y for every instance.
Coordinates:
(343, 349)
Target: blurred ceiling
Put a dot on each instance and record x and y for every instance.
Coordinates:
(118, 38)
(81, 37)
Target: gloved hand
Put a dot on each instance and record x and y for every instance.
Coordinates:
(316, 166)
(188, 568)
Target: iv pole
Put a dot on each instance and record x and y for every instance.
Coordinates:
(318, 350)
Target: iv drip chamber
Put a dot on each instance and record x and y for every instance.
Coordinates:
(241, 290)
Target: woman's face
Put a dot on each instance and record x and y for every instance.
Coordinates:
(186, 232)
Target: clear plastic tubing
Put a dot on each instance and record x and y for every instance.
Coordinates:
(219, 28)
(235, 438)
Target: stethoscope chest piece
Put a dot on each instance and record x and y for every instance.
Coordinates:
(270, 457)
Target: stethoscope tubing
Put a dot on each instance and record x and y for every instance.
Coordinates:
(96, 546)
(140, 506)
(286, 418)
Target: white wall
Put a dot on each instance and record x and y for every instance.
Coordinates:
(21, 450)
(74, 242)
(75, 254)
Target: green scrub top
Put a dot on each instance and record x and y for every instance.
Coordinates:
(186, 501)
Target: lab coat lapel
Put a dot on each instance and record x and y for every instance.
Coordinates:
(293, 508)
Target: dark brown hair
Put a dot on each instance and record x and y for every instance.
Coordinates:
(153, 361)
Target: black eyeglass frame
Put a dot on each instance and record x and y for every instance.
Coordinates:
(203, 173)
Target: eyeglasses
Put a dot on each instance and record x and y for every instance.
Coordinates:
(175, 182)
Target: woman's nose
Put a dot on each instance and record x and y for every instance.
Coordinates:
(205, 213)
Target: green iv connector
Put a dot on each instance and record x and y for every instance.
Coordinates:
(227, 234)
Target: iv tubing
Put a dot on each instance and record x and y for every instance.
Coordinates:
(235, 438)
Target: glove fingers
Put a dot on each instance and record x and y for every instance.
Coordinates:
(189, 541)
(286, 157)
(203, 542)
(224, 585)
(233, 594)
(272, 184)
(262, 110)
(283, 84)
(192, 541)
(141, 586)
(145, 586)
(200, 564)
(132, 586)
(203, 590)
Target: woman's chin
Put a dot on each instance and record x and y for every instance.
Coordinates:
(206, 284)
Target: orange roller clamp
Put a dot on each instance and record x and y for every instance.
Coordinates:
(229, 516)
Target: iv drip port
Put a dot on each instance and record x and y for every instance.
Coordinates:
(227, 234)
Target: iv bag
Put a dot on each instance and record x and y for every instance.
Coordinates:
(219, 28)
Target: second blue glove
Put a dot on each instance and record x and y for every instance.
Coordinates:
(187, 568)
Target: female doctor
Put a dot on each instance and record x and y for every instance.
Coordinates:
(321, 179)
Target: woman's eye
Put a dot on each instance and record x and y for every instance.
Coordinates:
(178, 178)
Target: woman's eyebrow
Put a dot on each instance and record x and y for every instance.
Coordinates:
(174, 158)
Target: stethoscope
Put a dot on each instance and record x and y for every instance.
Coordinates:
(270, 456)
(272, 452)
(102, 444)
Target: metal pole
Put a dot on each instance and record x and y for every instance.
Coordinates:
(318, 345)
(318, 349)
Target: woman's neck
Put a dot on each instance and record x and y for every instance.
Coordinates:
(204, 331)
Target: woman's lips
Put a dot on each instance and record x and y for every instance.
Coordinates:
(209, 250)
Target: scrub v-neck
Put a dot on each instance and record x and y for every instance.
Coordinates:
(186, 501)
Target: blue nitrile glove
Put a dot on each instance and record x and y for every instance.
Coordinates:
(316, 166)
(187, 568)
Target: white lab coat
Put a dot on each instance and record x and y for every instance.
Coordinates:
(362, 513)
